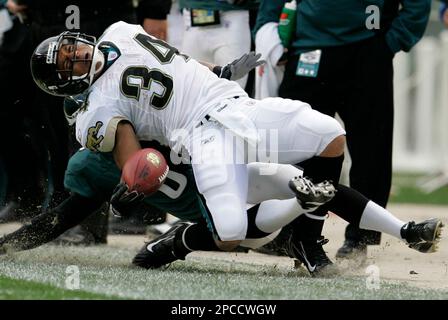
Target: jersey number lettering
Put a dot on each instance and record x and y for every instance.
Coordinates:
(136, 78)
(161, 50)
(153, 80)
(178, 179)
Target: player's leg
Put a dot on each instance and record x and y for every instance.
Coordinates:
(224, 188)
(312, 140)
(361, 212)
(186, 237)
(221, 178)
(183, 238)
(264, 220)
(281, 196)
(368, 215)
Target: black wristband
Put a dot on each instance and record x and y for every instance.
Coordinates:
(223, 72)
(217, 70)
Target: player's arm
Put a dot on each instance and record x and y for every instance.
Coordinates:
(409, 25)
(237, 68)
(104, 130)
(126, 143)
(50, 225)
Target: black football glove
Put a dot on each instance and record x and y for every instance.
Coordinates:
(241, 66)
(152, 215)
(123, 201)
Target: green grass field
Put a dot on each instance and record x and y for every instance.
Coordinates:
(28, 290)
(105, 273)
(405, 189)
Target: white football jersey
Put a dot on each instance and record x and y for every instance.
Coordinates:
(152, 86)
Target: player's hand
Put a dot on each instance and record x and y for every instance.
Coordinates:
(124, 201)
(156, 28)
(445, 18)
(242, 66)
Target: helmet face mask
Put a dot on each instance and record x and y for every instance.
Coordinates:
(60, 79)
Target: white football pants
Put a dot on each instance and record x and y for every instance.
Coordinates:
(290, 132)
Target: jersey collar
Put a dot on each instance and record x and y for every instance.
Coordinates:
(111, 54)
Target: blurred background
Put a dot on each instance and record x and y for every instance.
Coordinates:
(420, 160)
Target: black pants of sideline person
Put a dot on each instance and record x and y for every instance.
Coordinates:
(355, 81)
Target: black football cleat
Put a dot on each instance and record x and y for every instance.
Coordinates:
(313, 256)
(161, 251)
(309, 195)
(423, 236)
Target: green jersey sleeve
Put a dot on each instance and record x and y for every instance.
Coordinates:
(91, 173)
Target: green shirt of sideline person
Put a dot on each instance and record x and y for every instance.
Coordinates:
(327, 23)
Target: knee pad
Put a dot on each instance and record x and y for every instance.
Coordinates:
(209, 177)
(229, 217)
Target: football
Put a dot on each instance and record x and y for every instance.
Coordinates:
(145, 171)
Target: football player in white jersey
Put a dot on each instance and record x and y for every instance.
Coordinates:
(140, 88)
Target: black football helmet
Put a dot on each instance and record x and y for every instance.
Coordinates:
(62, 82)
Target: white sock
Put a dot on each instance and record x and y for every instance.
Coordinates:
(379, 219)
(275, 214)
